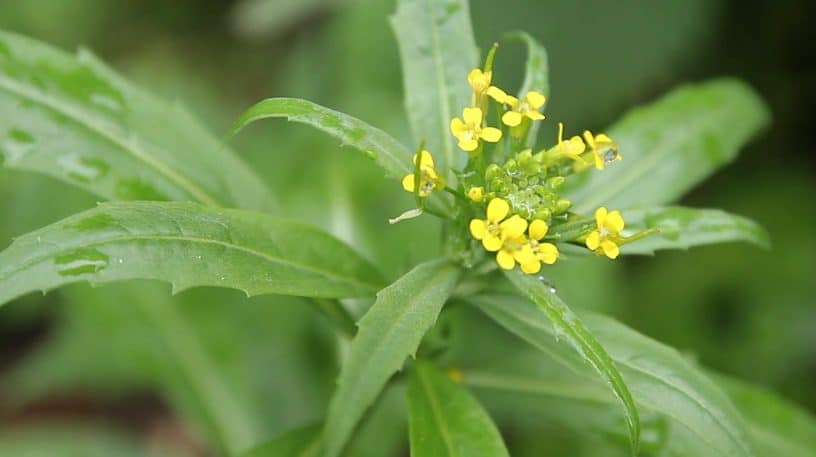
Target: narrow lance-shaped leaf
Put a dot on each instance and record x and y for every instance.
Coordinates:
(188, 245)
(682, 228)
(301, 442)
(672, 144)
(567, 325)
(73, 118)
(389, 332)
(445, 419)
(387, 152)
(536, 76)
(659, 378)
(437, 50)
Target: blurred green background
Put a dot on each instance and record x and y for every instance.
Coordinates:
(134, 362)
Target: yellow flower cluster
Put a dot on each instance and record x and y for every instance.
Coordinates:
(429, 179)
(513, 239)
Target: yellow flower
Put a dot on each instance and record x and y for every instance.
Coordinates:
(527, 106)
(470, 131)
(480, 83)
(476, 194)
(572, 148)
(497, 228)
(604, 150)
(533, 253)
(429, 179)
(605, 239)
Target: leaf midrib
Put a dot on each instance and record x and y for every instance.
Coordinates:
(194, 240)
(437, 413)
(439, 66)
(88, 122)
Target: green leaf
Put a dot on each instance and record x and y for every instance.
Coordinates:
(536, 75)
(682, 228)
(389, 332)
(673, 144)
(438, 51)
(73, 118)
(659, 378)
(567, 325)
(188, 245)
(775, 426)
(387, 152)
(301, 442)
(446, 421)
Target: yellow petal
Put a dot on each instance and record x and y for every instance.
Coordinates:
(468, 145)
(575, 145)
(525, 255)
(532, 267)
(496, 94)
(512, 101)
(457, 127)
(490, 134)
(505, 260)
(535, 99)
(593, 240)
(513, 227)
(590, 140)
(610, 249)
(497, 210)
(600, 216)
(491, 242)
(472, 116)
(479, 80)
(476, 194)
(408, 182)
(534, 115)
(547, 253)
(478, 228)
(425, 159)
(604, 140)
(538, 229)
(511, 118)
(614, 221)
(599, 162)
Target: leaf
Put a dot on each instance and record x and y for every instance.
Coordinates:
(672, 144)
(389, 332)
(682, 228)
(445, 420)
(568, 326)
(438, 51)
(72, 118)
(302, 442)
(188, 245)
(659, 378)
(536, 75)
(387, 152)
(775, 426)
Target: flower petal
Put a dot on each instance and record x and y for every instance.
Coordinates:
(547, 253)
(457, 127)
(468, 145)
(538, 229)
(478, 228)
(593, 240)
(535, 99)
(478, 79)
(505, 260)
(513, 227)
(614, 221)
(496, 94)
(425, 159)
(610, 249)
(497, 210)
(600, 163)
(525, 254)
(472, 116)
(408, 182)
(491, 242)
(511, 118)
(531, 267)
(490, 134)
(534, 115)
(590, 140)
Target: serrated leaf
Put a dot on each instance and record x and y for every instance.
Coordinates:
(536, 75)
(437, 50)
(301, 442)
(446, 421)
(672, 144)
(73, 118)
(659, 378)
(389, 332)
(775, 426)
(387, 152)
(682, 228)
(188, 245)
(567, 325)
